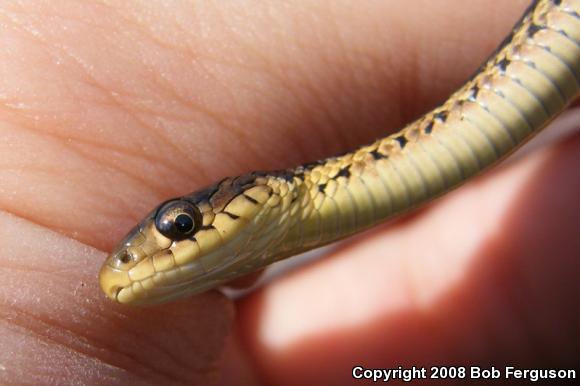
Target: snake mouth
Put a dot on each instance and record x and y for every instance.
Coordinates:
(115, 293)
(124, 295)
(113, 281)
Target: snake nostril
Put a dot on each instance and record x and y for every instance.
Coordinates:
(125, 257)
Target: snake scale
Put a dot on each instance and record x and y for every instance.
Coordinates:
(241, 224)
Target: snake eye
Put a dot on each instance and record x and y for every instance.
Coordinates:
(177, 219)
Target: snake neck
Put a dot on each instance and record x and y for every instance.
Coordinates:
(527, 81)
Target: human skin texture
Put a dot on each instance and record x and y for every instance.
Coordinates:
(108, 108)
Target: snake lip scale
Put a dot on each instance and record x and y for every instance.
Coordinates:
(202, 240)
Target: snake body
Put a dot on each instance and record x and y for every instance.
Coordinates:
(241, 224)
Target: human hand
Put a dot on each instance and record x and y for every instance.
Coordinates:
(110, 108)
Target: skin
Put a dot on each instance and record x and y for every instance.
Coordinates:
(109, 108)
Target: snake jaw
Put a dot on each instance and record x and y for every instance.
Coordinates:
(113, 281)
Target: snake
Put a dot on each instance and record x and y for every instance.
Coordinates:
(239, 225)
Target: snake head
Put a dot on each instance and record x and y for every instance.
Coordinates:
(191, 244)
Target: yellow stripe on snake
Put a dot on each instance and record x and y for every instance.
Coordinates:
(205, 239)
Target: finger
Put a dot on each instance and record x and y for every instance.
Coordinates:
(484, 276)
(246, 281)
(161, 129)
(51, 311)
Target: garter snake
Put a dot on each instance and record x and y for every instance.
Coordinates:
(241, 224)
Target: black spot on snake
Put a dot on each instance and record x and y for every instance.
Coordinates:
(377, 156)
(344, 172)
(250, 199)
(429, 128)
(321, 188)
(231, 215)
(502, 64)
(533, 29)
(474, 92)
(288, 176)
(441, 115)
(402, 140)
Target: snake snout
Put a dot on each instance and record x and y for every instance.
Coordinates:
(112, 281)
